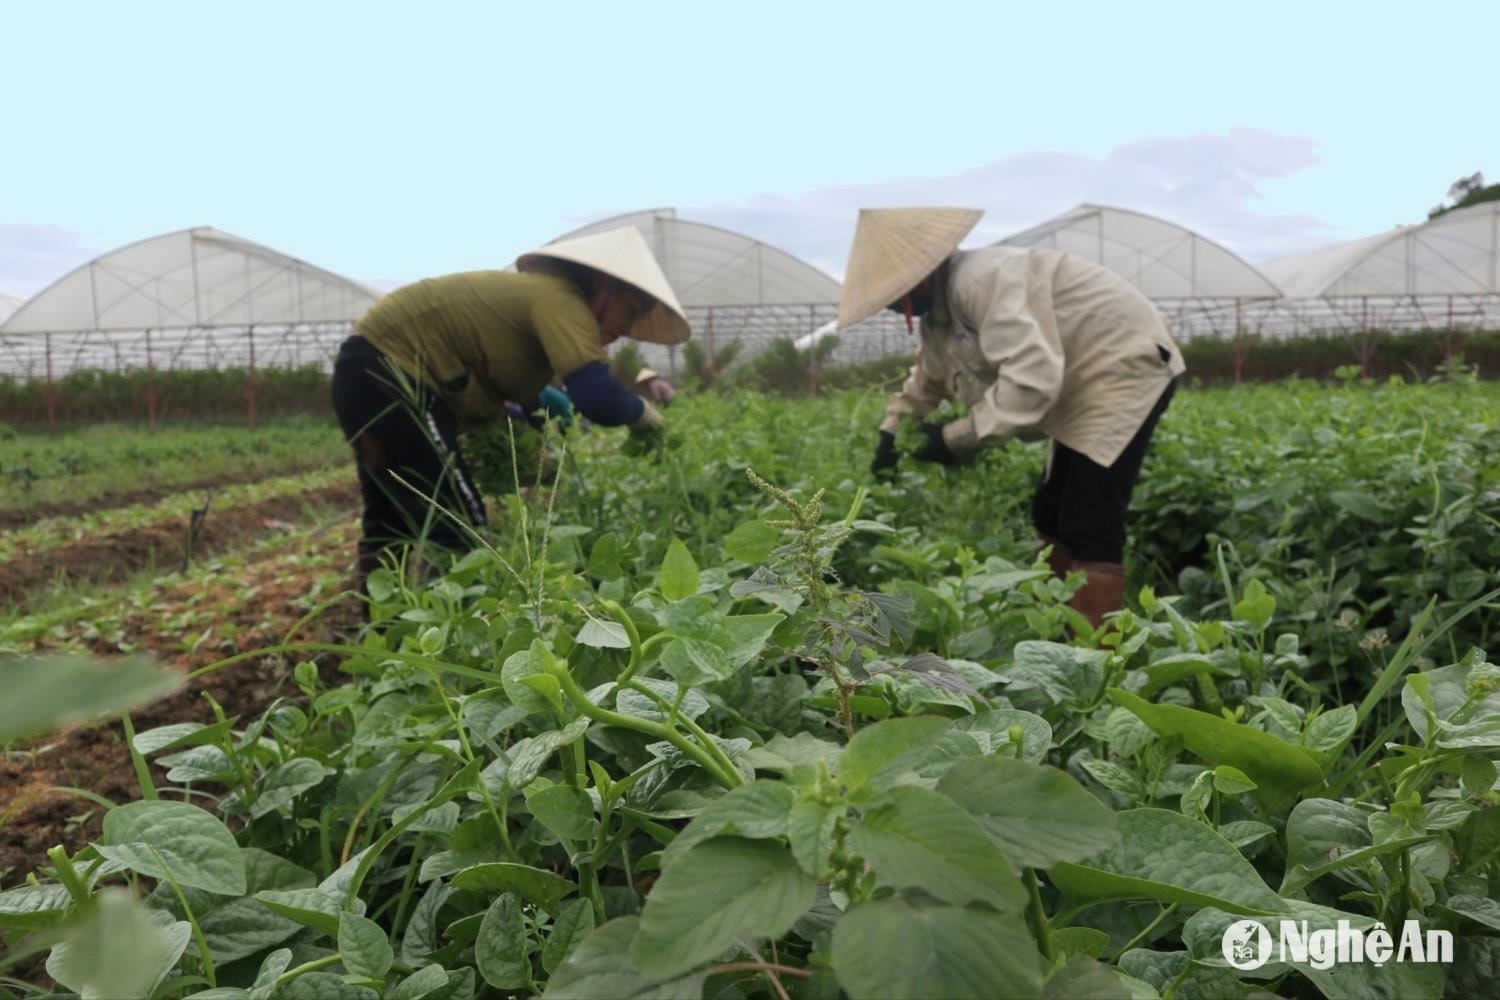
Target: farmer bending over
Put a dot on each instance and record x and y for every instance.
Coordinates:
(650, 385)
(446, 353)
(1037, 343)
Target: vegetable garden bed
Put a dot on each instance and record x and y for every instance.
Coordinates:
(82, 469)
(687, 726)
(114, 544)
(252, 597)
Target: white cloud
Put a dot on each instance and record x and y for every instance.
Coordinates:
(1211, 183)
(1207, 183)
(32, 256)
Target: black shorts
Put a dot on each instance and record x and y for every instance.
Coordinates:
(1080, 505)
(398, 428)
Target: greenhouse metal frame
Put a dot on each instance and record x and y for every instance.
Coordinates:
(734, 289)
(1200, 287)
(1443, 274)
(202, 298)
(193, 298)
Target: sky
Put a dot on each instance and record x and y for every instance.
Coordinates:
(393, 141)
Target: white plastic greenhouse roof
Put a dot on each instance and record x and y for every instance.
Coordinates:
(709, 266)
(1457, 253)
(1161, 258)
(191, 278)
(8, 305)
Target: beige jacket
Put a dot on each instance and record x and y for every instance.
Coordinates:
(1038, 343)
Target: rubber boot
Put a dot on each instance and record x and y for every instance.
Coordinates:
(1058, 559)
(1101, 593)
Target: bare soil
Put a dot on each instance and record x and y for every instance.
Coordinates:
(125, 553)
(22, 516)
(33, 818)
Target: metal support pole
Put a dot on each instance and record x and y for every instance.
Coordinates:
(250, 377)
(51, 392)
(1364, 337)
(1239, 335)
(150, 384)
(1452, 342)
(817, 355)
(710, 374)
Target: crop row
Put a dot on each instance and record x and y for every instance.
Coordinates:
(89, 465)
(688, 726)
(185, 612)
(33, 541)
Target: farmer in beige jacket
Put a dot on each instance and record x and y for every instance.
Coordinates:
(1036, 343)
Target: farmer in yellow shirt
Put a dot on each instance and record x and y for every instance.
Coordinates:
(1038, 344)
(445, 353)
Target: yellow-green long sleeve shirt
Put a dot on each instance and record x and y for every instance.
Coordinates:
(482, 337)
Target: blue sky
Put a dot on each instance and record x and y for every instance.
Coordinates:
(392, 141)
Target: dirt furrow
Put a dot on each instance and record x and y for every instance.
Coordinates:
(23, 516)
(125, 553)
(95, 758)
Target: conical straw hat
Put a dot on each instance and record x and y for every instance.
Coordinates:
(622, 253)
(894, 248)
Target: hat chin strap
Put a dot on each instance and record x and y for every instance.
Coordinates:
(906, 311)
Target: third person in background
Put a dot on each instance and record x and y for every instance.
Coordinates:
(1038, 344)
(652, 386)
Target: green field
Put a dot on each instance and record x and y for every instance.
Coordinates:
(95, 464)
(729, 718)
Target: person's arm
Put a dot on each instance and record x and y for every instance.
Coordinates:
(1012, 308)
(597, 395)
(570, 336)
(917, 397)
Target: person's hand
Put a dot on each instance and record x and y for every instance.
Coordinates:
(555, 403)
(647, 435)
(661, 391)
(884, 465)
(650, 420)
(936, 449)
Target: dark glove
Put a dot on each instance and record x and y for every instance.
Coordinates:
(936, 449)
(644, 440)
(884, 466)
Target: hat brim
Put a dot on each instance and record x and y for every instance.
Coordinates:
(660, 325)
(893, 250)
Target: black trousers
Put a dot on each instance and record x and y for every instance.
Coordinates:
(398, 428)
(1081, 504)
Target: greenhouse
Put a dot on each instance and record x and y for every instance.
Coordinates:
(195, 298)
(1441, 274)
(1199, 286)
(737, 290)
(8, 305)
